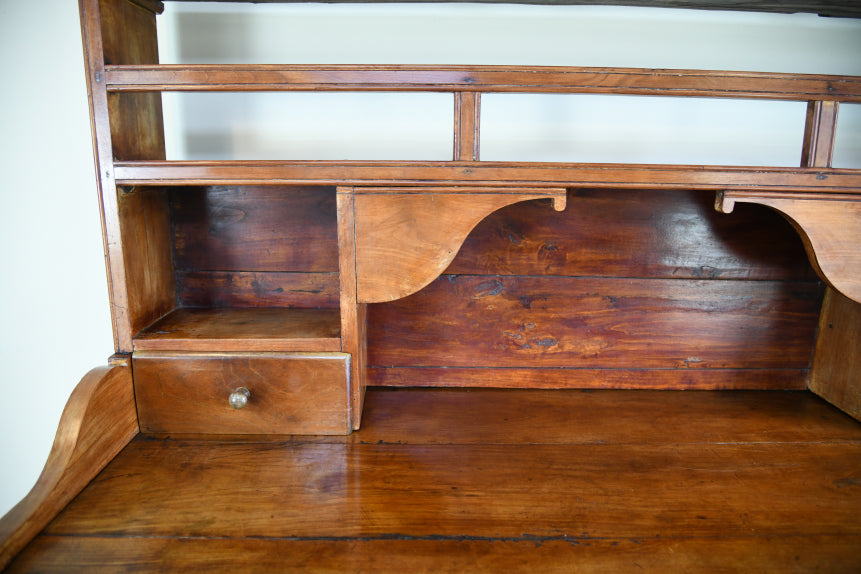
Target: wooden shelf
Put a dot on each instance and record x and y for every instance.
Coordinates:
(615, 176)
(487, 79)
(243, 329)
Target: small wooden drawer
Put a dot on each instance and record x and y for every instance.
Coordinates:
(290, 393)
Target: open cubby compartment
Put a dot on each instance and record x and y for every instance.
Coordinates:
(231, 267)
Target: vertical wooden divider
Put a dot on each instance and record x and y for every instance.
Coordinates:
(819, 131)
(467, 114)
(353, 315)
(123, 32)
(836, 372)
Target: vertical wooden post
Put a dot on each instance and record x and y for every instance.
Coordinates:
(353, 315)
(467, 113)
(819, 131)
(140, 287)
(836, 372)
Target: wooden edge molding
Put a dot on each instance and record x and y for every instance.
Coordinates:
(406, 238)
(829, 225)
(98, 421)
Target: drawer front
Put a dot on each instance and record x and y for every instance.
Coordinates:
(290, 393)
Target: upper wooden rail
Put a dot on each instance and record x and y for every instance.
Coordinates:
(487, 79)
(616, 176)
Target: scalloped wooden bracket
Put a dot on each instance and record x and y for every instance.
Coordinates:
(829, 225)
(98, 421)
(406, 237)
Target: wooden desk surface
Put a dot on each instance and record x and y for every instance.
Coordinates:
(488, 480)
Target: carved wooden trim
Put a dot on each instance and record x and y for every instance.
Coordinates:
(406, 237)
(98, 422)
(829, 225)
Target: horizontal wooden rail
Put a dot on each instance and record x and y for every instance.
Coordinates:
(620, 176)
(488, 79)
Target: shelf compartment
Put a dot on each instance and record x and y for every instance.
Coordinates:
(243, 329)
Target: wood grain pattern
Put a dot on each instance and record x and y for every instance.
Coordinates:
(829, 225)
(613, 176)
(146, 243)
(526, 377)
(119, 32)
(528, 416)
(467, 119)
(255, 228)
(353, 314)
(406, 238)
(257, 289)
(256, 490)
(731, 480)
(128, 33)
(487, 79)
(243, 329)
(137, 128)
(836, 373)
(98, 421)
(644, 491)
(298, 393)
(820, 127)
(625, 233)
(496, 321)
(794, 554)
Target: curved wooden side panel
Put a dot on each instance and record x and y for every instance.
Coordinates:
(829, 225)
(406, 238)
(98, 421)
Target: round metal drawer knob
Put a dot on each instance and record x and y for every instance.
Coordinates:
(239, 398)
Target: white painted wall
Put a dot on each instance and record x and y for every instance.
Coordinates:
(53, 297)
(54, 314)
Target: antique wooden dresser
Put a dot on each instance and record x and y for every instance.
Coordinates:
(541, 318)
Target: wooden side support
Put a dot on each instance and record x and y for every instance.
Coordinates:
(406, 237)
(353, 315)
(829, 225)
(836, 373)
(98, 422)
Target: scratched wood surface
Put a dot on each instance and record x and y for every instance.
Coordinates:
(483, 478)
(623, 289)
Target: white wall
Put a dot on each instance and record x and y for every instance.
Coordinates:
(54, 315)
(53, 295)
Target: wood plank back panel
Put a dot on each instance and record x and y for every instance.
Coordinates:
(257, 289)
(623, 233)
(496, 321)
(266, 246)
(624, 289)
